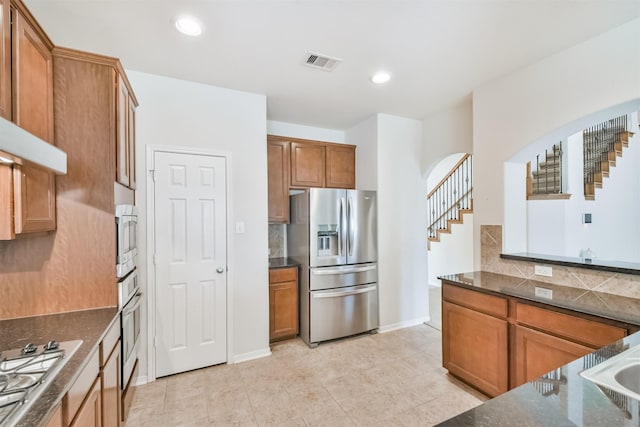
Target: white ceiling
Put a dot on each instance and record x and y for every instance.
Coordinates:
(436, 51)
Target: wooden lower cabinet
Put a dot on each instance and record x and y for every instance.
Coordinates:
(283, 303)
(110, 385)
(496, 343)
(89, 414)
(56, 418)
(536, 353)
(475, 348)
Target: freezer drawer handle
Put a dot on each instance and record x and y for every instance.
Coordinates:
(343, 293)
(353, 270)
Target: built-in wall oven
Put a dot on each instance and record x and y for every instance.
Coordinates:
(130, 324)
(126, 239)
(129, 299)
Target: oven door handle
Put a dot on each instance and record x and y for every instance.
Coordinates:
(129, 310)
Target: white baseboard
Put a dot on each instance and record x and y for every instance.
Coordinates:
(141, 380)
(252, 355)
(402, 325)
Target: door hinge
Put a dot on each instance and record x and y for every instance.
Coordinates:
(155, 259)
(153, 174)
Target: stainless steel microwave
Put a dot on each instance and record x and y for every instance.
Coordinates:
(126, 243)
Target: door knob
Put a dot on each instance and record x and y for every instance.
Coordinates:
(220, 270)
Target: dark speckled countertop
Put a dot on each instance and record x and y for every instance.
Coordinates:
(562, 397)
(282, 263)
(608, 306)
(88, 326)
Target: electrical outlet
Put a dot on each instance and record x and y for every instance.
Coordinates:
(544, 293)
(543, 270)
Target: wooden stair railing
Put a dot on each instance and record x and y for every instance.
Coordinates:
(602, 144)
(450, 200)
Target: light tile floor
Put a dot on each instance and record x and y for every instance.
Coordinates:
(390, 379)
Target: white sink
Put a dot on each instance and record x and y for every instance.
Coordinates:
(621, 373)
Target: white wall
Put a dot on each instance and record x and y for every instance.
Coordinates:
(447, 132)
(453, 253)
(402, 223)
(365, 136)
(440, 170)
(515, 110)
(304, 132)
(179, 113)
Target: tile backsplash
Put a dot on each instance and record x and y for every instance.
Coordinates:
(277, 240)
(602, 281)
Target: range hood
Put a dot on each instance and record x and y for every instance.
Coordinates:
(17, 145)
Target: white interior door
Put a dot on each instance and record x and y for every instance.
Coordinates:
(190, 262)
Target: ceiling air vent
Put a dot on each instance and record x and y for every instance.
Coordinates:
(323, 62)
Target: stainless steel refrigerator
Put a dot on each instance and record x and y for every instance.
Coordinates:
(333, 236)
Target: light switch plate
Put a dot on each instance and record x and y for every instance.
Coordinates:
(543, 270)
(544, 293)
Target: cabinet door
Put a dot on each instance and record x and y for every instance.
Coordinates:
(89, 414)
(307, 165)
(536, 353)
(341, 167)
(123, 155)
(278, 181)
(56, 418)
(110, 377)
(474, 348)
(7, 231)
(5, 59)
(131, 141)
(32, 80)
(283, 303)
(34, 199)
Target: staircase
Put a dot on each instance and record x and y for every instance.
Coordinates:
(547, 178)
(450, 200)
(602, 144)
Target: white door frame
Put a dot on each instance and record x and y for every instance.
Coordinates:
(150, 230)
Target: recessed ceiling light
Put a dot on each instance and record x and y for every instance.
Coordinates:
(188, 25)
(380, 77)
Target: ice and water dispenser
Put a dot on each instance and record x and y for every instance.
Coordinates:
(327, 240)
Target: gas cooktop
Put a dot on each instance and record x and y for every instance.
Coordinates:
(25, 373)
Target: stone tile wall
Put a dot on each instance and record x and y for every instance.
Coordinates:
(601, 281)
(277, 240)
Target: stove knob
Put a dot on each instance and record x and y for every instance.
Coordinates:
(51, 345)
(29, 348)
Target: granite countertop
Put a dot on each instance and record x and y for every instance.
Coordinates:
(88, 326)
(561, 397)
(282, 263)
(608, 306)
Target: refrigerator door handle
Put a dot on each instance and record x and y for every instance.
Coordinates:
(351, 225)
(343, 293)
(341, 226)
(327, 272)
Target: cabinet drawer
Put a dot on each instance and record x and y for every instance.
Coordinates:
(589, 332)
(488, 304)
(109, 342)
(283, 275)
(79, 390)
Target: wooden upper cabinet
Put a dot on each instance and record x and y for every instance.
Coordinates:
(31, 108)
(307, 165)
(125, 137)
(278, 181)
(340, 166)
(32, 78)
(5, 59)
(34, 199)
